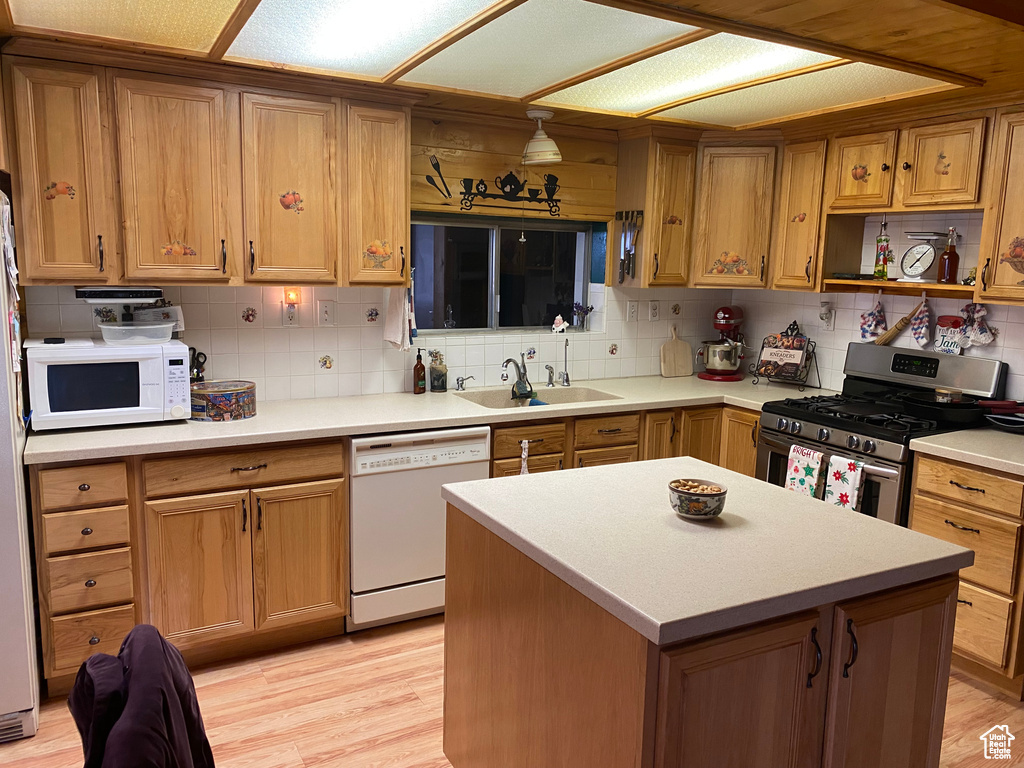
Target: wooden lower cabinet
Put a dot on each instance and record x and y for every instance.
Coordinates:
(661, 434)
(701, 434)
(739, 440)
(534, 464)
(596, 457)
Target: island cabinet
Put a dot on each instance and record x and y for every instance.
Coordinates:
(795, 262)
(734, 214)
(1001, 258)
(65, 220)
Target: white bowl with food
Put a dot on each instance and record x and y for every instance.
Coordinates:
(697, 499)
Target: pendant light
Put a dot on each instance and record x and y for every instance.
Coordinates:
(541, 149)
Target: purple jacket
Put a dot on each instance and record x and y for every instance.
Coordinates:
(139, 710)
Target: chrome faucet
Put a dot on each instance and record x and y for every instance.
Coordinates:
(563, 376)
(551, 375)
(460, 382)
(521, 389)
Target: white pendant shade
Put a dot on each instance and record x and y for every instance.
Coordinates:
(541, 148)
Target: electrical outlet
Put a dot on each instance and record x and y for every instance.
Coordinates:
(632, 311)
(325, 311)
(827, 315)
(289, 315)
(653, 311)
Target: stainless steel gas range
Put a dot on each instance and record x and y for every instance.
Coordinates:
(888, 399)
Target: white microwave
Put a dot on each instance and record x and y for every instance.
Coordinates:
(89, 383)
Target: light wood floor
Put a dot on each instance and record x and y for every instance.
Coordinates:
(374, 699)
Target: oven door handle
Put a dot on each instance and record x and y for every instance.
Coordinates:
(867, 469)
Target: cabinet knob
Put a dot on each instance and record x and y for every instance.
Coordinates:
(90, 583)
(84, 487)
(94, 640)
(885, 167)
(906, 166)
(87, 531)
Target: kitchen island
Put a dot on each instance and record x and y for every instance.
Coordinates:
(587, 625)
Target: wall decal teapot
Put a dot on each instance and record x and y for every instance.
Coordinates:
(510, 185)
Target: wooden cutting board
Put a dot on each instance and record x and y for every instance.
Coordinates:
(676, 357)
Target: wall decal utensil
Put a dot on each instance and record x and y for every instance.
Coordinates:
(430, 180)
(437, 168)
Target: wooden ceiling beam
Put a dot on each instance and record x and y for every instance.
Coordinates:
(744, 85)
(486, 16)
(238, 18)
(719, 24)
(624, 61)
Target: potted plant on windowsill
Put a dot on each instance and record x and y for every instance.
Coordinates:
(581, 312)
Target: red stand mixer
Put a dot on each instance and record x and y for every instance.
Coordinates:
(724, 357)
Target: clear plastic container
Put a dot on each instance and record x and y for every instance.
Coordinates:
(135, 334)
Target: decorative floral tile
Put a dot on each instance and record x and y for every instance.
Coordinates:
(531, 353)
(372, 314)
(105, 314)
(249, 314)
(326, 362)
(676, 309)
(613, 349)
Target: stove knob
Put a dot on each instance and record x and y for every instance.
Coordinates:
(782, 425)
(824, 435)
(852, 441)
(869, 446)
(794, 428)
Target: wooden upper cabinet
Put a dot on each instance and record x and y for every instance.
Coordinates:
(661, 434)
(1001, 259)
(941, 163)
(888, 677)
(861, 171)
(175, 144)
(795, 257)
(299, 548)
(377, 194)
(672, 215)
(289, 158)
(734, 212)
(66, 226)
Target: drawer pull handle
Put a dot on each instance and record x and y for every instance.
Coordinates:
(609, 431)
(817, 658)
(249, 469)
(854, 648)
(965, 602)
(962, 527)
(966, 487)
(90, 583)
(84, 487)
(87, 531)
(536, 440)
(94, 640)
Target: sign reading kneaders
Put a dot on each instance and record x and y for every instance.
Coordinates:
(781, 363)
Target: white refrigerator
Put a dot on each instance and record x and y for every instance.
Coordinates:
(19, 677)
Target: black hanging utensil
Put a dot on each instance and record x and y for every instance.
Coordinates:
(434, 185)
(437, 167)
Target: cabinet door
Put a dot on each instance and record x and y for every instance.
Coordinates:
(597, 457)
(941, 163)
(888, 678)
(674, 168)
(66, 225)
(199, 554)
(739, 440)
(701, 434)
(288, 167)
(803, 175)
(377, 191)
(860, 170)
(535, 464)
(661, 434)
(1001, 259)
(767, 684)
(734, 216)
(178, 216)
(300, 553)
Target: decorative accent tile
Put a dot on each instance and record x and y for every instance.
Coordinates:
(105, 314)
(531, 353)
(676, 309)
(326, 362)
(249, 314)
(613, 349)
(372, 314)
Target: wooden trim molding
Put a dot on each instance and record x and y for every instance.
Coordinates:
(624, 61)
(719, 24)
(243, 11)
(6, 19)
(469, 26)
(1010, 12)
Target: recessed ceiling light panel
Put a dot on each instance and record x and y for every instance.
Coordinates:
(356, 37)
(539, 43)
(191, 25)
(705, 65)
(840, 87)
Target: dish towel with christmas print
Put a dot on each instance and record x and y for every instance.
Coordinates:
(842, 486)
(804, 470)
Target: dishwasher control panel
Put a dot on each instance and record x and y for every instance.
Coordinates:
(395, 453)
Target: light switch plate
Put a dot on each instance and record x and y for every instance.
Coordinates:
(325, 312)
(653, 311)
(632, 311)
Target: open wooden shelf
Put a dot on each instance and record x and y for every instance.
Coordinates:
(892, 287)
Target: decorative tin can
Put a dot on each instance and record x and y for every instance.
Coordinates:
(223, 400)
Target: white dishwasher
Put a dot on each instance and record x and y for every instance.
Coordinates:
(397, 518)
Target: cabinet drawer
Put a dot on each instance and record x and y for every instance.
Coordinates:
(86, 486)
(982, 624)
(598, 457)
(544, 438)
(242, 469)
(85, 529)
(84, 581)
(509, 467)
(607, 430)
(76, 637)
(970, 486)
(994, 541)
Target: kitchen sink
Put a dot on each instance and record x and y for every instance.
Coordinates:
(501, 398)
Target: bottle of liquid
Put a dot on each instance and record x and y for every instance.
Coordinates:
(419, 374)
(949, 261)
(882, 253)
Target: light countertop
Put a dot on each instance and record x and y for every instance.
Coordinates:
(610, 533)
(985, 448)
(284, 420)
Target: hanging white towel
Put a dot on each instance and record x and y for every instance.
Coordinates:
(803, 470)
(524, 469)
(396, 321)
(842, 486)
